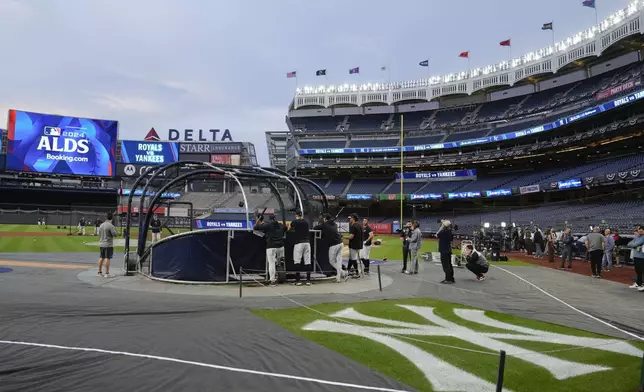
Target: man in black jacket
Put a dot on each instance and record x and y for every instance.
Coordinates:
(445, 238)
(302, 248)
(405, 233)
(365, 252)
(274, 235)
(155, 225)
(355, 245)
(333, 239)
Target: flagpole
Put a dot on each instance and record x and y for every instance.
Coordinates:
(388, 72)
(402, 157)
(510, 50)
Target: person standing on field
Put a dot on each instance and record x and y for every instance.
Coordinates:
(595, 245)
(106, 234)
(415, 244)
(155, 225)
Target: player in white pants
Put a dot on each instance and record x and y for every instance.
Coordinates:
(302, 248)
(332, 237)
(272, 257)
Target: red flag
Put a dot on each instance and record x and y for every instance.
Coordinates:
(465, 55)
(505, 43)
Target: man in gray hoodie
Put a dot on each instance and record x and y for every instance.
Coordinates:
(415, 243)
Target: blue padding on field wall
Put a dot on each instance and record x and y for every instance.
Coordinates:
(197, 257)
(5, 270)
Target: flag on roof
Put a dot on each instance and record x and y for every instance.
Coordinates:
(424, 63)
(547, 26)
(507, 42)
(320, 72)
(291, 74)
(383, 68)
(588, 3)
(354, 70)
(152, 136)
(465, 55)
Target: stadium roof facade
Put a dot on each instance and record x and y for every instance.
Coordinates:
(590, 43)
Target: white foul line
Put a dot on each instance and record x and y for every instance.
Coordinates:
(201, 364)
(572, 307)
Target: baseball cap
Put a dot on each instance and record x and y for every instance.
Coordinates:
(354, 216)
(298, 213)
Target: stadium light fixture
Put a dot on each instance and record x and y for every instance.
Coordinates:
(503, 224)
(486, 225)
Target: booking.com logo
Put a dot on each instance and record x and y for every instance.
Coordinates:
(67, 158)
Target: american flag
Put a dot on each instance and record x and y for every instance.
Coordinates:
(291, 74)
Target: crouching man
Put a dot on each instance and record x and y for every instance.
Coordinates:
(476, 263)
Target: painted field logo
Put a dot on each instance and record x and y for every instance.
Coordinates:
(445, 377)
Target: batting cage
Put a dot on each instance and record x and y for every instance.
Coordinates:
(208, 213)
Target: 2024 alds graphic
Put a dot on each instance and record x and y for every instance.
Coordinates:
(46, 143)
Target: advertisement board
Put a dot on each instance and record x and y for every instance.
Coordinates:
(609, 92)
(627, 99)
(568, 184)
(381, 228)
(44, 143)
(210, 148)
(390, 196)
(223, 224)
(139, 192)
(149, 153)
(135, 171)
(359, 197)
(498, 192)
(223, 159)
(530, 189)
(463, 195)
(446, 174)
(427, 196)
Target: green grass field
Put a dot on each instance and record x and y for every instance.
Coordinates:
(391, 248)
(58, 241)
(525, 372)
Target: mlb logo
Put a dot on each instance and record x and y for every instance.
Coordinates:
(52, 131)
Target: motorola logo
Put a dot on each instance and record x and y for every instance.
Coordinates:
(132, 170)
(129, 170)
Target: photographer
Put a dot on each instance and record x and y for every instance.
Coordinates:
(274, 235)
(333, 238)
(405, 233)
(476, 262)
(415, 243)
(445, 238)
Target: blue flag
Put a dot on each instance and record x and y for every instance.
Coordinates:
(424, 63)
(588, 3)
(547, 26)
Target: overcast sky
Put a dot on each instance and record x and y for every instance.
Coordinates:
(222, 64)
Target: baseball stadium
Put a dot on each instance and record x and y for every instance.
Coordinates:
(478, 231)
